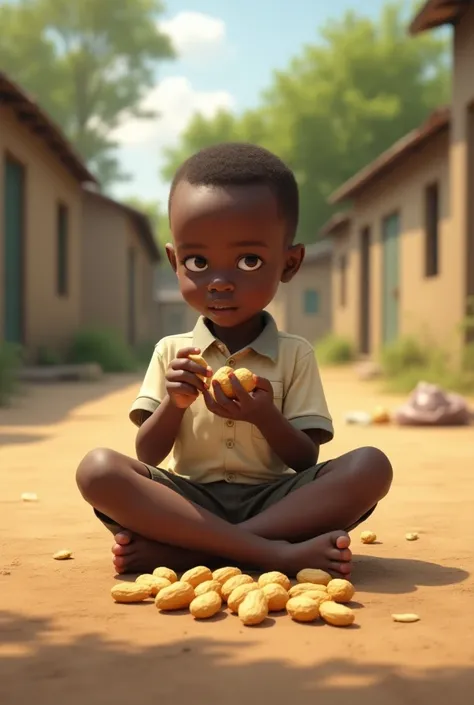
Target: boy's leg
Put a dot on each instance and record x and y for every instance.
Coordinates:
(113, 484)
(343, 491)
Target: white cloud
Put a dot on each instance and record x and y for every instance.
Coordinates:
(195, 35)
(175, 101)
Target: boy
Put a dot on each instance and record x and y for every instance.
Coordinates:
(241, 482)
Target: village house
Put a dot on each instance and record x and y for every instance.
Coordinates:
(405, 265)
(41, 180)
(119, 260)
(303, 306)
(393, 260)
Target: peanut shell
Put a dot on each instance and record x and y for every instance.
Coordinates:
(176, 596)
(336, 614)
(206, 605)
(254, 609)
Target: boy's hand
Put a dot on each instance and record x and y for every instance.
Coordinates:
(245, 407)
(183, 383)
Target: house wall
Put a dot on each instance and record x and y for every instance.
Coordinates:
(104, 266)
(428, 306)
(313, 276)
(49, 319)
(146, 308)
(462, 155)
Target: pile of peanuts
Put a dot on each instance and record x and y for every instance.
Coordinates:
(315, 595)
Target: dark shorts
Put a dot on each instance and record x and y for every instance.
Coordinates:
(232, 502)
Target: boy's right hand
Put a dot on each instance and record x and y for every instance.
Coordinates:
(183, 383)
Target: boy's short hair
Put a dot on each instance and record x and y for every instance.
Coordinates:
(241, 164)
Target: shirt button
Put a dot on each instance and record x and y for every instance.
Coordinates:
(231, 362)
(230, 477)
(229, 423)
(229, 444)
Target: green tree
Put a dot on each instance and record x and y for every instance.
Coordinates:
(87, 63)
(340, 103)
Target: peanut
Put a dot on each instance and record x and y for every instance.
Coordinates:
(341, 590)
(368, 537)
(335, 614)
(162, 572)
(176, 596)
(405, 618)
(208, 586)
(245, 377)
(201, 361)
(254, 609)
(412, 536)
(224, 574)
(313, 575)
(301, 588)
(130, 592)
(197, 575)
(302, 609)
(205, 605)
(317, 596)
(63, 555)
(238, 595)
(276, 596)
(274, 577)
(234, 582)
(154, 582)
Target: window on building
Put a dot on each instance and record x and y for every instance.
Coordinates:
(62, 250)
(432, 230)
(342, 280)
(311, 302)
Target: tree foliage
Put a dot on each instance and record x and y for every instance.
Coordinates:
(87, 62)
(340, 103)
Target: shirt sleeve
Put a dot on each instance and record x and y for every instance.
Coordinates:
(305, 404)
(152, 390)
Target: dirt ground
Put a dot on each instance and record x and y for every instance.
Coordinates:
(62, 639)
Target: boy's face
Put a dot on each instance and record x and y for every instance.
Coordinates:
(230, 250)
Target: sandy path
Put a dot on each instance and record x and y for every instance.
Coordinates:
(63, 640)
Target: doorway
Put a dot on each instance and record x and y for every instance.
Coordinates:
(13, 200)
(390, 278)
(364, 292)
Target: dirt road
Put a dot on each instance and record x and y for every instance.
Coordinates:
(62, 639)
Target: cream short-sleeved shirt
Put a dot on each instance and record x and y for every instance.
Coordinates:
(209, 448)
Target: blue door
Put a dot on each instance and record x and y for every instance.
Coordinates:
(13, 205)
(391, 278)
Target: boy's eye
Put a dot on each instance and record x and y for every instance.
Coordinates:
(195, 264)
(249, 263)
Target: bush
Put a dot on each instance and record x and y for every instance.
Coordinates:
(104, 347)
(333, 350)
(10, 363)
(407, 361)
(47, 357)
(143, 352)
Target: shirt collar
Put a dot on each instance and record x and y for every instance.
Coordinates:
(266, 344)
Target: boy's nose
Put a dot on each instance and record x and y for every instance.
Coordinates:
(220, 284)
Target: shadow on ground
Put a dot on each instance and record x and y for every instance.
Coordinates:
(201, 671)
(398, 576)
(48, 404)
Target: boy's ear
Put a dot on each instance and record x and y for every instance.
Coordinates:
(171, 254)
(294, 260)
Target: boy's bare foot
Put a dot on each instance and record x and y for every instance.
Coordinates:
(134, 554)
(329, 552)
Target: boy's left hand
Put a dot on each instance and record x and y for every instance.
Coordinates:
(245, 407)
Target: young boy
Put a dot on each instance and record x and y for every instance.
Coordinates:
(241, 482)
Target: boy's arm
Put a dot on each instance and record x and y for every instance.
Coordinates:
(296, 433)
(299, 450)
(158, 420)
(157, 434)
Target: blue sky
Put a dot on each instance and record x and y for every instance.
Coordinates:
(228, 52)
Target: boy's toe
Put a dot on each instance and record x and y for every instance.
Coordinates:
(343, 541)
(123, 538)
